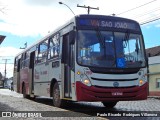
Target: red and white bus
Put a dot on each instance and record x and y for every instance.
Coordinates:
(91, 58)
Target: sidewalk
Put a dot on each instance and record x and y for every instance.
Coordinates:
(156, 97)
(10, 93)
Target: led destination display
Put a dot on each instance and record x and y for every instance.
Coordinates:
(108, 23)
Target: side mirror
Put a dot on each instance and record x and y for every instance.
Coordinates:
(72, 35)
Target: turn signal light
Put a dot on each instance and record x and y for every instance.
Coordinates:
(78, 72)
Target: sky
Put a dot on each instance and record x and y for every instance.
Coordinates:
(24, 21)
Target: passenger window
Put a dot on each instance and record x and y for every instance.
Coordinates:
(54, 47)
(42, 52)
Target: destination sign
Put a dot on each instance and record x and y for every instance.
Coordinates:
(109, 24)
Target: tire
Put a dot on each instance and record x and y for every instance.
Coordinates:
(109, 104)
(57, 102)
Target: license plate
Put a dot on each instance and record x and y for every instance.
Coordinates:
(117, 93)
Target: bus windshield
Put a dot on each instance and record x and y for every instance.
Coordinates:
(110, 49)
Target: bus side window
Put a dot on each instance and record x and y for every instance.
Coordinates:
(54, 47)
(26, 59)
(42, 52)
(36, 54)
(50, 51)
(22, 61)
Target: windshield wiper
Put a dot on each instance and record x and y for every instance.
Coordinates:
(126, 38)
(99, 35)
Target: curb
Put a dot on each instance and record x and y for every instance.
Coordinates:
(155, 97)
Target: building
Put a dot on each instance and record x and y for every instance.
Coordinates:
(154, 70)
(2, 37)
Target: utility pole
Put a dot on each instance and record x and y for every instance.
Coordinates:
(5, 70)
(88, 8)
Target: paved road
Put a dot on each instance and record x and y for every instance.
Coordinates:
(151, 106)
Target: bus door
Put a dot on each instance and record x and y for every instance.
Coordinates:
(67, 60)
(31, 72)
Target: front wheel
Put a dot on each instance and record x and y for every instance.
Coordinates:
(109, 104)
(57, 102)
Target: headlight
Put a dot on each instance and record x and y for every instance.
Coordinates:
(86, 82)
(84, 78)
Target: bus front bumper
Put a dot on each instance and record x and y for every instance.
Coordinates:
(93, 94)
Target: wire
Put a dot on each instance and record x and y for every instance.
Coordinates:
(136, 7)
(7, 63)
(146, 13)
(7, 56)
(149, 21)
(146, 21)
